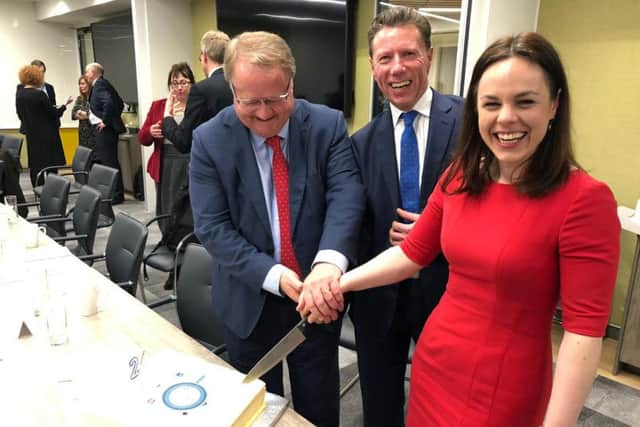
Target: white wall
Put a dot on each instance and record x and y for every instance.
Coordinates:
(23, 39)
(162, 37)
(491, 19)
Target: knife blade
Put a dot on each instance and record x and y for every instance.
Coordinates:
(278, 352)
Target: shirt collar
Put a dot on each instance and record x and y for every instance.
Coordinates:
(258, 140)
(423, 106)
(214, 70)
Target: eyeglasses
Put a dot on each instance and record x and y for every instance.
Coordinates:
(270, 101)
(180, 83)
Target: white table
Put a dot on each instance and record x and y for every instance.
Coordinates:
(40, 385)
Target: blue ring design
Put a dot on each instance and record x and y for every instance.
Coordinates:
(167, 393)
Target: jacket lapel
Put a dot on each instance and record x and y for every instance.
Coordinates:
(247, 169)
(440, 133)
(386, 154)
(298, 136)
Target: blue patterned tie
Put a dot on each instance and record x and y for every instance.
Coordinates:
(409, 165)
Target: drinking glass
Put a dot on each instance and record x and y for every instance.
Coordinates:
(12, 202)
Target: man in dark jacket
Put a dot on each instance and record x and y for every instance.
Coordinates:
(206, 98)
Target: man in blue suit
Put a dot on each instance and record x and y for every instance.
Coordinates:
(397, 187)
(105, 116)
(277, 198)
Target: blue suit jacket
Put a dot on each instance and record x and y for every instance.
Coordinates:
(373, 309)
(326, 201)
(107, 104)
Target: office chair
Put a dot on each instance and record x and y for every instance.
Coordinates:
(12, 144)
(103, 178)
(84, 219)
(80, 166)
(123, 253)
(193, 299)
(52, 203)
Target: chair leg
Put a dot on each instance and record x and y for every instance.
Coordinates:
(348, 385)
(141, 286)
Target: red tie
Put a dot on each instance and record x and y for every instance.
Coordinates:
(280, 173)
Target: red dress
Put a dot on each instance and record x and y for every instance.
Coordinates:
(484, 356)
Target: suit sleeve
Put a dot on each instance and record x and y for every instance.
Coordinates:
(345, 197)
(181, 134)
(154, 114)
(213, 224)
(106, 107)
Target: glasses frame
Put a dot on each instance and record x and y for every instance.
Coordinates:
(255, 103)
(183, 83)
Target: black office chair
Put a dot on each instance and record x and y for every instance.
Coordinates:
(85, 221)
(193, 299)
(10, 180)
(103, 178)
(348, 341)
(12, 144)
(52, 203)
(123, 254)
(80, 166)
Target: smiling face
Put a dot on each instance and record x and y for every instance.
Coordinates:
(514, 109)
(400, 64)
(251, 82)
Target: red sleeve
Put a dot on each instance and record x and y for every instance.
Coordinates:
(589, 249)
(156, 111)
(422, 244)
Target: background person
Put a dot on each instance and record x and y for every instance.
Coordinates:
(521, 225)
(48, 90)
(80, 112)
(40, 122)
(106, 108)
(168, 167)
(276, 197)
(206, 98)
(400, 165)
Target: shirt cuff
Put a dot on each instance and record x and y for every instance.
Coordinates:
(271, 282)
(332, 257)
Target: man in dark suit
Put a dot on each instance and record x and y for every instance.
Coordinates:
(276, 197)
(206, 98)
(49, 91)
(106, 108)
(387, 318)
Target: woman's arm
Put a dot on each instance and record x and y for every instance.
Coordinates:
(389, 267)
(575, 371)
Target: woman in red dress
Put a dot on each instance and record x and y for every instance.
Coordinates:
(523, 227)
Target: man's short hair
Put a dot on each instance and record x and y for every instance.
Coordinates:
(213, 44)
(99, 68)
(400, 16)
(39, 63)
(262, 49)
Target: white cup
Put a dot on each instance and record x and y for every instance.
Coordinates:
(87, 300)
(33, 235)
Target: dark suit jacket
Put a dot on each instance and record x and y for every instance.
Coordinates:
(372, 310)
(325, 194)
(206, 98)
(107, 104)
(51, 93)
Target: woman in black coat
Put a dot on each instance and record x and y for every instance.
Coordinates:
(39, 121)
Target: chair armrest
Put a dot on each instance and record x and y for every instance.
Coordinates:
(69, 238)
(48, 168)
(44, 219)
(157, 218)
(27, 204)
(162, 301)
(52, 219)
(85, 173)
(93, 258)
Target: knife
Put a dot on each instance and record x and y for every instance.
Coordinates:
(278, 352)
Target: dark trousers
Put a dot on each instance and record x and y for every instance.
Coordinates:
(313, 366)
(106, 153)
(382, 361)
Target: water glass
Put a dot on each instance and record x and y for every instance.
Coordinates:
(12, 202)
(57, 316)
